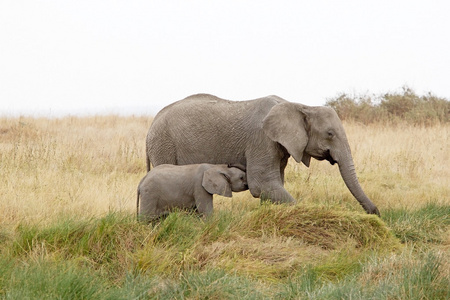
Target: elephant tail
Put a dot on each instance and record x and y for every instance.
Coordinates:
(148, 162)
(137, 202)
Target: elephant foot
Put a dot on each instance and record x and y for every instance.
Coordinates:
(277, 196)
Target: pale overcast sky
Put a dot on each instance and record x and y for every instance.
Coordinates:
(87, 57)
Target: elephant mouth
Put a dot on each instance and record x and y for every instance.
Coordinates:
(327, 156)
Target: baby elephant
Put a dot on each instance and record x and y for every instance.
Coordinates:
(187, 187)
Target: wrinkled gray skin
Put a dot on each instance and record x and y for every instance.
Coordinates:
(260, 134)
(186, 187)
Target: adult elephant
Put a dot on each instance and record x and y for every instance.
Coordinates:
(260, 134)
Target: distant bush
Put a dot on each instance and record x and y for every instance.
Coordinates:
(391, 108)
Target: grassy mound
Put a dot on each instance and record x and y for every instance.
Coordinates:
(273, 251)
(319, 226)
(271, 242)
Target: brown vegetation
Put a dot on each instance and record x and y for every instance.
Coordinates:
(64, 182)
(393, 108)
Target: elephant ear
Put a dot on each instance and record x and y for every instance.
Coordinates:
(286, 124)
(216, 182)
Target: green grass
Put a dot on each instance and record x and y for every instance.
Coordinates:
(209, 284)
(403, 276)
(44, 279)
(422, 226)
(268, 252)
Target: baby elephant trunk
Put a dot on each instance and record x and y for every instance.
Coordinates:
(239, 166)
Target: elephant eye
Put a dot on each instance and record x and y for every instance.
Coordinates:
(330, 134)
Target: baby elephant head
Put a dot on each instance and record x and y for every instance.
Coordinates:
(223, 179)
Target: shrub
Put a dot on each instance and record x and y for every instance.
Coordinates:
(392, 108)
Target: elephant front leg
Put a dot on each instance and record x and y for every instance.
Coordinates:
(265, 175)
(204, 203)
(277, 196)
(272, 190)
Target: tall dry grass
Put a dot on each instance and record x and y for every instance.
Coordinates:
(89, 166)
(68, 228)
(56, 167)
(398, 166)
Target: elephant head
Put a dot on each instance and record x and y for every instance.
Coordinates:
(223, 180)
(316, 132)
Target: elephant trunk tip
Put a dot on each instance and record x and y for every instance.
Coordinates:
(373, 211)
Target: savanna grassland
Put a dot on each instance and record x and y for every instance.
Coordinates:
(68, 227)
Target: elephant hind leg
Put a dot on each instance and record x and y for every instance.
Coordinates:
(160, 149)
(156, 158)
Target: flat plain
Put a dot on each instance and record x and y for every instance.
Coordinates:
(68, 228)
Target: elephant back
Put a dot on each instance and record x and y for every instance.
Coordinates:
(206, 129)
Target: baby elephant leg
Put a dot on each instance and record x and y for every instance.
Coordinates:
(147, 208)
(204, 204)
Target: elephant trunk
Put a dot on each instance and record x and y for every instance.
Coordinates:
(348, 173)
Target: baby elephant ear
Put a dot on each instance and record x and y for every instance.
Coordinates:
(215, 181)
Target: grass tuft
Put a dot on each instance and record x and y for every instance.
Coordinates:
(319, 226)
